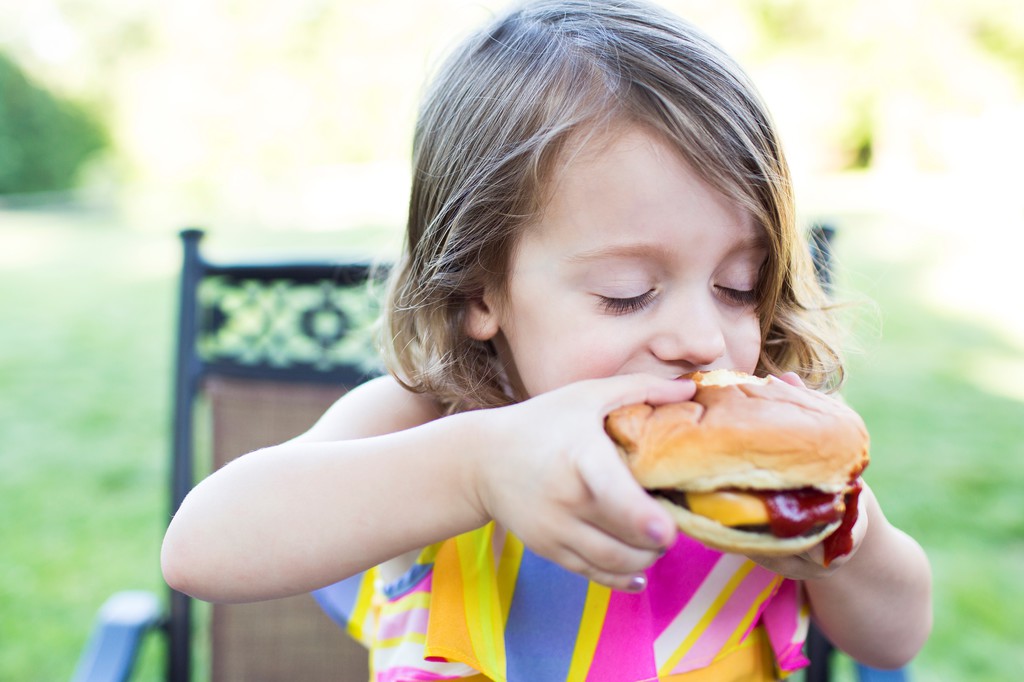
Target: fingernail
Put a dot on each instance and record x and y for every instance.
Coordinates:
(638, 583)
(656, 532)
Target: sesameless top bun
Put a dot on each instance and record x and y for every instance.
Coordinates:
(741, 431)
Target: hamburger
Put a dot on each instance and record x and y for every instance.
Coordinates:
(749, 465)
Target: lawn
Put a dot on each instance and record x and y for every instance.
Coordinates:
(88, 312)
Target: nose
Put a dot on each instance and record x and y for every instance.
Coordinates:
(690, 336)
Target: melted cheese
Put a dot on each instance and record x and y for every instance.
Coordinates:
(729, 508)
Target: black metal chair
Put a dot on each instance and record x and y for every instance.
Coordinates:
(264, 349)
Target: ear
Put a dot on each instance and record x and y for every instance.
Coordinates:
(481, 322)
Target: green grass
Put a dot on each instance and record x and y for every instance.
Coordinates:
(948, 467)
(84, 381)
(88, 313)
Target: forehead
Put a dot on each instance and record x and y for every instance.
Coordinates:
(627, 187)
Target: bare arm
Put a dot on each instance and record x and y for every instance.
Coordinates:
(380, 476)
(877, 606)
(874, 604)
(333, 502)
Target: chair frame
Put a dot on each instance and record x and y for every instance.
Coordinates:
(192, 369)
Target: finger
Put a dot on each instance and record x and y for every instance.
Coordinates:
(630, 389)
(797, 567)
(624, 582)
(816, 555)
(632, 583)
(793, 379)
(608, 554)
(620, 507)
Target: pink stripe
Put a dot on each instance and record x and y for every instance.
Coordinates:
(624, 648)
(781, 619)
(404, 622)
(423, 585)
(406, 674)
(625, 645)
(675, 578)
(728, 619)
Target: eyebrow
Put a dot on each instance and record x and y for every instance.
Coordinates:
(756, 242)
(632, 250)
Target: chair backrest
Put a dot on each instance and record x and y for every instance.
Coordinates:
(263, 350)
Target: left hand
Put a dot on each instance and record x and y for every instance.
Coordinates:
(811, 564)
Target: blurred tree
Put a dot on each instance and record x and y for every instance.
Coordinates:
(912, 86)
(1003, 38)
(43, 139)
(301, 111)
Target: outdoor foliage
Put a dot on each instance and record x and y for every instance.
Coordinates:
(44, 139)
(279, 112)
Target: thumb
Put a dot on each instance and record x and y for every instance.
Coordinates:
(792, 378)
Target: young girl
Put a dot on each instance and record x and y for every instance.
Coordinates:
(599, 206)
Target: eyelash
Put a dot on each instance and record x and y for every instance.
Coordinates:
(634, 304)
(738, 296)
(624, 306)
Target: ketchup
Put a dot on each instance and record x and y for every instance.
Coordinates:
(841, 541)
(792, 513)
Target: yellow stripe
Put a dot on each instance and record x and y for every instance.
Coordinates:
(707, 618)
(753, 661)
(482, 613)
(591, 622)
(508, 571)
(734, 639)
(429, 553)
(362, 606)
(417, 637)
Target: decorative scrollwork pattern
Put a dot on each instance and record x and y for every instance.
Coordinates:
(281, 324)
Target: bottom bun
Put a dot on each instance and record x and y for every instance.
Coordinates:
(726, 539)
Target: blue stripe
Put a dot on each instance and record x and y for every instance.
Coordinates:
(543, 621)
(407, 582)
(339, 600)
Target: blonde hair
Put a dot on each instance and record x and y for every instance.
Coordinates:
(491, 127)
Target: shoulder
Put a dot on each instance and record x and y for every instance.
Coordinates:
(377, 407)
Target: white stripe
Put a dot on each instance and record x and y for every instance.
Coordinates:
(803, 623)
(684, 622)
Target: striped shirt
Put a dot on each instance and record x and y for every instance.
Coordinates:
(481, 603)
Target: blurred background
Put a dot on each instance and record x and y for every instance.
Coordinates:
(285, 127)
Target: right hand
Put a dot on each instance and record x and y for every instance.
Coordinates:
(556, 480)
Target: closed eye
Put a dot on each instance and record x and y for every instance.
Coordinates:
(625, 306)
(741, 297)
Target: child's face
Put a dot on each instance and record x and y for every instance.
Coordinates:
(636, 265)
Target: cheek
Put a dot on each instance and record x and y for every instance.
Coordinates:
(563, 360)
(754, 344)
(745, 345)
